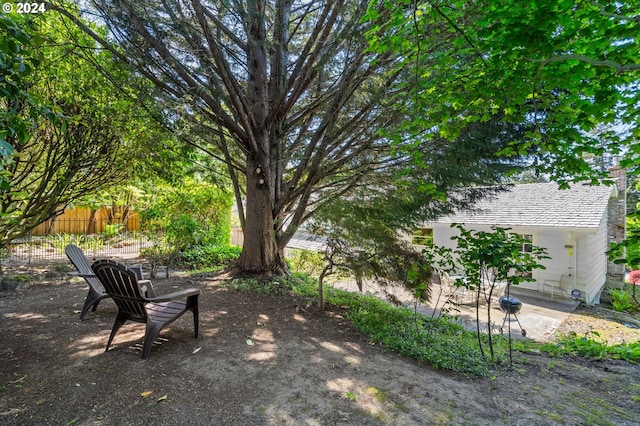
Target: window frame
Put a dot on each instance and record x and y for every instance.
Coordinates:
(526, 247)
(422, 239)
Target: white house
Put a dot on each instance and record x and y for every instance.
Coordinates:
(575, 226)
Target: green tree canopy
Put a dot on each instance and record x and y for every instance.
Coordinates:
(84, 140)
(302, 108)
(291, 98)
(565, 68)
(19, 109)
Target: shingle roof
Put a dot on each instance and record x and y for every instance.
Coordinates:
(541, 205)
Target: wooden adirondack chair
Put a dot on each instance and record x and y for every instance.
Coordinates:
(96, 290)
(156, 312)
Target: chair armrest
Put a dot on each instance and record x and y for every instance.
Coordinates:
(86, 275)
(175, 295)
(146, 288)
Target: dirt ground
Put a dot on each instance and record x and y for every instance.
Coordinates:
(269, 360)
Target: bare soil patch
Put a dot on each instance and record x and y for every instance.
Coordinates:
(267, 360)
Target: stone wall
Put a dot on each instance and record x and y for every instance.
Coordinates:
(616, 220)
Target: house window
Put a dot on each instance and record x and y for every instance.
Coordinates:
(527, 247)
(422, 237)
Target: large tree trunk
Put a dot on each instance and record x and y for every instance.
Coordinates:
(260, 252)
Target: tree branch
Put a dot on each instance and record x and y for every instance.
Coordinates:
(620, 68)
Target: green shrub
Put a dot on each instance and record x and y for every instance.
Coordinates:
(208, 256)
(183, 232)
(440, 342)
(60, 241)
(85, 242)
(621, 300)
(590, 345)
(306, 261)
(112, 229)
(160, 255)
(208, 221)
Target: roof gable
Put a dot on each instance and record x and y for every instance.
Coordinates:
(540, 205)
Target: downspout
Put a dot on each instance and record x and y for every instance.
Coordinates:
(574, 260)
(574, 266)
(572, 253)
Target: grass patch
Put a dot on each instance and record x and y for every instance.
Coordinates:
(297, 283)
(377, 394)
(587, 346)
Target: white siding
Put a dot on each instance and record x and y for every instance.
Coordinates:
(576, 253)
(558, 245)
(554, 242)
(442, 234)
(592, 265)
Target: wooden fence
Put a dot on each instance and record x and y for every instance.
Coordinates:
(100, 233)
(84, 221)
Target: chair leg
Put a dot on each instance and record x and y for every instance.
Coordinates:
(152, 332)
(192, 304)
(87, 305)
(120, 320)
(196, 322)
(91, 302)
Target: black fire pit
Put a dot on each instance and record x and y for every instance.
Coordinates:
(511, 306)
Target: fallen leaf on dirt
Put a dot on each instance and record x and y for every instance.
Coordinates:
(250, 342)
(146, 393)
(162, 398)
(196, 350)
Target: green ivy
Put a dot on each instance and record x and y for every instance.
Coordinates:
(588, 345)
(208, 256)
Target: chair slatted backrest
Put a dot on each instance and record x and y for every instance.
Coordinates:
(81, 263)
(122, 285)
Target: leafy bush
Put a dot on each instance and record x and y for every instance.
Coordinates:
(112, 229)
(60, 241)
(208, 221)
(160, 254)
(183, 232)
(621, 300)
(306, 261)
(440, 342)
(85, 242)
(589, 345)
(210, 255)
